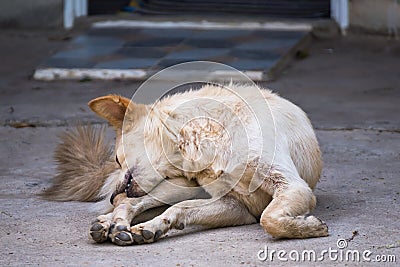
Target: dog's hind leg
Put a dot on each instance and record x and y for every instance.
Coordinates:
(287, 214)
(226, 211)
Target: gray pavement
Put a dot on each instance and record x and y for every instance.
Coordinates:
(350, 87)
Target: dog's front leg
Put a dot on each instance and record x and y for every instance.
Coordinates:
(116, 225)
(124, 208)
(226, 211)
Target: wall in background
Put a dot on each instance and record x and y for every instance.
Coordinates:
(375, 16)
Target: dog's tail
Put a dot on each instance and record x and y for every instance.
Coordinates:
(84, 161)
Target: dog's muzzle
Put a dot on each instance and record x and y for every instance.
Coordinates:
(128, 186)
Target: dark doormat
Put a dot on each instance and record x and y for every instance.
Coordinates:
(269, 8)
(138, 52)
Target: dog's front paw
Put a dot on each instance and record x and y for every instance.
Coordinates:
(152, 230)
(99, 229)
(142, 234)
(120, 235)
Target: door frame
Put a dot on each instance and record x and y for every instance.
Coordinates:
(74, 9)
(340, 13)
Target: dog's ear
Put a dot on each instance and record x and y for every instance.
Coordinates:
(112, 108)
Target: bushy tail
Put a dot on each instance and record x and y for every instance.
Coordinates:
(84, 161)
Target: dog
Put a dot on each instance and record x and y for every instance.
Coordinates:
(222, 155)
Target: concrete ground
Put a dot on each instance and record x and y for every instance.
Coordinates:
(349, 86)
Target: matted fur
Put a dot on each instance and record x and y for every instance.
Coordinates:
(84, 161)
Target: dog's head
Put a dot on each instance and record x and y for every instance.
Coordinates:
(127, 118)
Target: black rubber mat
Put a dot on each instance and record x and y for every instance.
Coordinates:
(270, 8)
(99, 7)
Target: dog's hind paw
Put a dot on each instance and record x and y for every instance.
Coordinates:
(321, 228)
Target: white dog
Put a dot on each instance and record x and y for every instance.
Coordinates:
(219, 156)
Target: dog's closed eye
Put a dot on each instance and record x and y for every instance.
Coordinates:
(116, 160)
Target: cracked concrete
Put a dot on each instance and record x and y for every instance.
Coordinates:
(349, 86)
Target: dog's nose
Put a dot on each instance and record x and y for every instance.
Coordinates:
(128, 186)
(128, 180)
(133, 189)
(122, 187)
